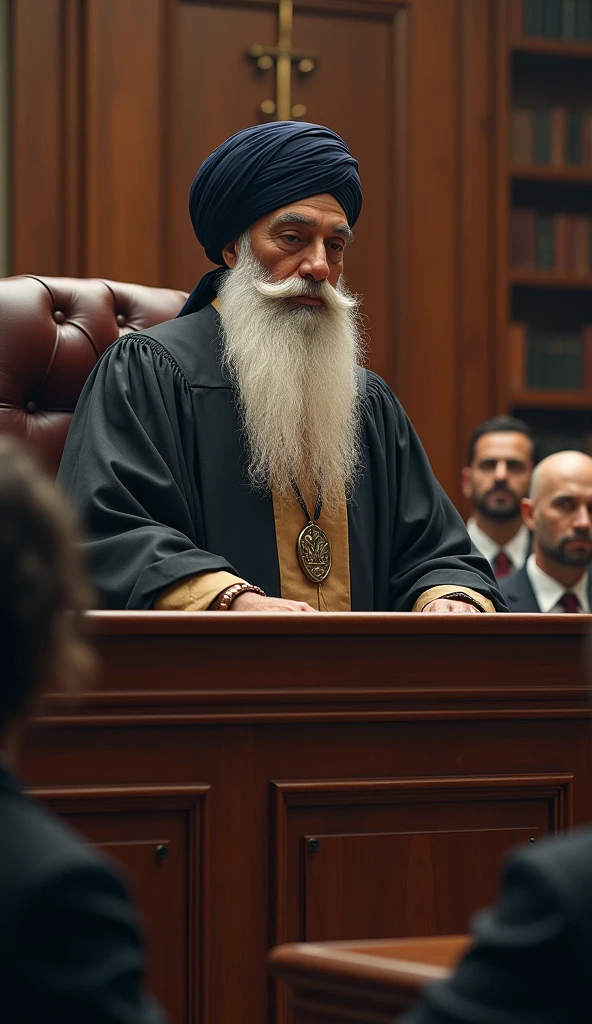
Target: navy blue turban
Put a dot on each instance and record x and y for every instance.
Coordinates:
(259, 170)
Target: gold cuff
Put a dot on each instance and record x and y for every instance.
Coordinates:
(194, 593)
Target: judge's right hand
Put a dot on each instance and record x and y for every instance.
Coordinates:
(251, 602)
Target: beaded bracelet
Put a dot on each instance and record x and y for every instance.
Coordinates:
(224, 600)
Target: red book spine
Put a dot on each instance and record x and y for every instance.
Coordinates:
(581, 246)
(558, 136)
(521, 137)
(560, 224)
(516, 355)
(570, 243)
(523, 239)
(587, 338)
(587, 137)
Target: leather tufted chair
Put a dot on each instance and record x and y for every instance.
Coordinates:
(52, 332)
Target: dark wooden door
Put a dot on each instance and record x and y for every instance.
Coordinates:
(142, 90)
(116, 102)
(366, 860)
(216, 89)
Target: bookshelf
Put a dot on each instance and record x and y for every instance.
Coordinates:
(548, 279)
(544, 218)
(540, 172)
(538, 398)
(551, 47)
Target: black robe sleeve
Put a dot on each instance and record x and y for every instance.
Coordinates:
(427, 539)
(128, 468)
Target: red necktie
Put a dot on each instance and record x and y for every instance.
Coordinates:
(570, 603)
(502, 565)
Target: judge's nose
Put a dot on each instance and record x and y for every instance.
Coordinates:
(501, 469)
(314, 265)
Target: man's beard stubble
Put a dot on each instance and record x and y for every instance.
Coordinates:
(294, 370)
(498, 513)
(560, 552)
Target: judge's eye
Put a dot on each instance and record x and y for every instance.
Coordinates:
(336, 246)
(291, 239)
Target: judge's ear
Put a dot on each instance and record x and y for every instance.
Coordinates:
(466, 484)
(230, 254)
(527, 510)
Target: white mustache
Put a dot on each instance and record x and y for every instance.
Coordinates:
(294, 287)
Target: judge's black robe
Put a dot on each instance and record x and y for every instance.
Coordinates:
(155, 465)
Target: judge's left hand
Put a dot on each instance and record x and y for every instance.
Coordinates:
(446, 607)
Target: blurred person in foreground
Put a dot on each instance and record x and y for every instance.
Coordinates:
(500, 461)
(70, 950)
(556, 577)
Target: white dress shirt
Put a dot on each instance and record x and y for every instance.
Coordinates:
(516, 549)
(548, 591)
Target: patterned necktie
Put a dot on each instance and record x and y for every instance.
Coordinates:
(502, 565)
(570, 603)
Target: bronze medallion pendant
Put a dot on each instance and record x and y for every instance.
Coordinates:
(314, 553)
(312, 547)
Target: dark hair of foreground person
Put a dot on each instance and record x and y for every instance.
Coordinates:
(70, 948)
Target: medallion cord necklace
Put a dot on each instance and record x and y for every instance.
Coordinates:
(313, 547)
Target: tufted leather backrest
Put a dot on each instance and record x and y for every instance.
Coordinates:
(52, 332)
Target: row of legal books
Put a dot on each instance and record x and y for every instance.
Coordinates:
(554, 19)
(549, 442)
(545, 360)
(560, 241)
(554, 135)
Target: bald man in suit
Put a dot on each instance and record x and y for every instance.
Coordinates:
(558, 512)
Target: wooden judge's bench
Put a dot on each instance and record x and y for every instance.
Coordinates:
(281, 779)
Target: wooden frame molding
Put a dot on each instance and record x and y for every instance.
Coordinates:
(193, 801)
(556, 788)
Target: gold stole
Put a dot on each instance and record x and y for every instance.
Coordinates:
(334, 594)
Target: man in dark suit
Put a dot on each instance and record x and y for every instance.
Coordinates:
(556, 577)
(530, 963)
(70, 950)
(500, 460)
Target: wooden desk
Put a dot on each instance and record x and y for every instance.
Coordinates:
(304, 778)
(370, 982)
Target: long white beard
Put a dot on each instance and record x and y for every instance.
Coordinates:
(294, 370)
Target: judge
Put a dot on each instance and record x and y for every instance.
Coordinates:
(239, 457)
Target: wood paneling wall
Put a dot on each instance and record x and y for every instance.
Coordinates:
(4, 137)
(97, 108)
(124, 187)
(444, 372)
